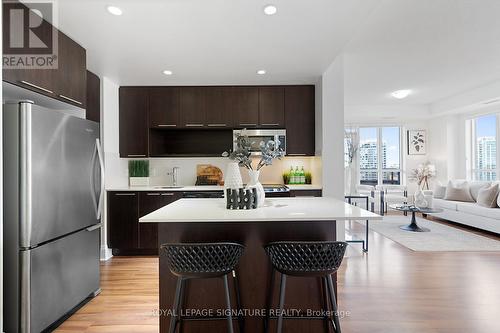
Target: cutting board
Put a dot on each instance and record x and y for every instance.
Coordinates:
(207, 174)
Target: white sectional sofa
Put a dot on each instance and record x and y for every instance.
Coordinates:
(470, 213)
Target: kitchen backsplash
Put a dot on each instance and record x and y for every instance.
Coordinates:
(117, 170)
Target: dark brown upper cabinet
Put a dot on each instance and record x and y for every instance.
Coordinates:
(300, 120)
(272, 107)
(245, 107)
(218, 106)
(164, 107)
(133, 122)
(72, 72)
(67, 82)
(193, 110)
(93, 109)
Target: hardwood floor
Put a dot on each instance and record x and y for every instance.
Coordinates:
(390, 289)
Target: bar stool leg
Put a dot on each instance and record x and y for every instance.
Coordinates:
(241, 319)
(269, 301)
(324, 296)
(178, 292)
(282, 303)
(228, 305)
(333, 300)
(181, 304)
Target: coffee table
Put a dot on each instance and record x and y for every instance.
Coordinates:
(413, 226)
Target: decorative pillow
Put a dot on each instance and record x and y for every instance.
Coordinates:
(439, 191)
(487, 196)
(459, 192)
(476, 186)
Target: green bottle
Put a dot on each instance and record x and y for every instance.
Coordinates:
(302, 176)
(297, 175)
(291, 178)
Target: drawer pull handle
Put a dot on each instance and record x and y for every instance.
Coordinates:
(37, 87)
(194, 125)
(217, 125)
(273, 124)
(296, 154)
(166, 125)
(136, 155)
(70, 99)
(153, 194)
(125, 194)
(169, 194)
(247, 124)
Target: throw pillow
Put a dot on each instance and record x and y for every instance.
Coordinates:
(476, 186)
(439, 191)
(459, 192)
(487, 196)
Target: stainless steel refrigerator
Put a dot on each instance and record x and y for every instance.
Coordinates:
(53, 187)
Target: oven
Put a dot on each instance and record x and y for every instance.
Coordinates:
(256, 136)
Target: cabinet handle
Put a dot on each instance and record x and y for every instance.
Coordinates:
(152, 193)
(273, 124)
(296, 154)
(125, 194)
(166, 125)
(217, 125)
(37, 87)
(247, 124)
(194, 125)
(136, 155)
(169, 194)
(70, 99)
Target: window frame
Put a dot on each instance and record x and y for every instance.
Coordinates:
(473, 172)
(380, 170)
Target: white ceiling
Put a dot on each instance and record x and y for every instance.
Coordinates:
(438, 48)
(212, 42)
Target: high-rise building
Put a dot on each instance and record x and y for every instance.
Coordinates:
(486, 157)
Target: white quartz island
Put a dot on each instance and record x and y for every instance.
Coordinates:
(275, 209)
(281, 219)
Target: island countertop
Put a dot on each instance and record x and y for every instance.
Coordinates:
(275, 209)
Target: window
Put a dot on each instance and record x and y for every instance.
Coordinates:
(484, 148)
(380, 155)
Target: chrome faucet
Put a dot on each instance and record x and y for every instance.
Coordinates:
(175, 175)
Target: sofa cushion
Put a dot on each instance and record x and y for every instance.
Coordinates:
(487, 196)
(476, 186)
(474, 209)
(458, 192)
(439, 191)
(445, 204)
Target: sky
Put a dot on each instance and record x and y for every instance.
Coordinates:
(486, 126)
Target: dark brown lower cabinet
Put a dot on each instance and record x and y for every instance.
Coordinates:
(149, 202)
(126, 236)
(306, 193)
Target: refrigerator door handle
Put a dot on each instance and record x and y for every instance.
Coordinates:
(101, 166)
(94, 227)
(92, 183)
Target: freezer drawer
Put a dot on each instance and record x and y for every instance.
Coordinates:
(60, 275)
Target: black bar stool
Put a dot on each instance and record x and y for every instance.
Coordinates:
(203, 261)
(306, 259)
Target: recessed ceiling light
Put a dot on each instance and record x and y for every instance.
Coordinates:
(114, 10)
(400, 94)
(167, 72)
(261, 71)
(270, 9)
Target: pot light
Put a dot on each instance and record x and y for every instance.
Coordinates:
(270, 9)
(167, 72)
(261, 71)
(400, 94)
(114, 10)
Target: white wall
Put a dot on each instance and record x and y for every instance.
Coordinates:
(330, 124)
(110, 142)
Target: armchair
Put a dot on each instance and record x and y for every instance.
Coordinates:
(393, 194)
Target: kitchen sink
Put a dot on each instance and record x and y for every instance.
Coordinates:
(167, 187)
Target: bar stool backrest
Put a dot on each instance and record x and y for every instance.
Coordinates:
(306, 258)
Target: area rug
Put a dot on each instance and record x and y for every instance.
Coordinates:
(441, 238)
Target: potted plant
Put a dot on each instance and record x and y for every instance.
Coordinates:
(138, 172)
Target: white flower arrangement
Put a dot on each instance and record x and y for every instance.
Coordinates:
(422, 174)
